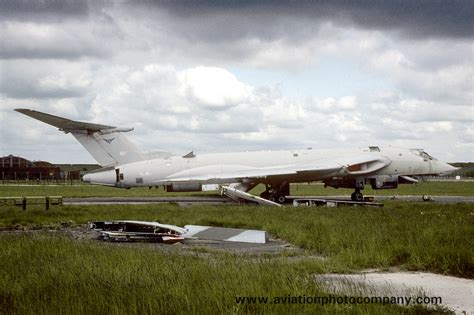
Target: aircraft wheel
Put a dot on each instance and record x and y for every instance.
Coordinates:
(281, 199)
(277, 198)
(357, 196)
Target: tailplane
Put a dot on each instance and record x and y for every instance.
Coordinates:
(107, 144)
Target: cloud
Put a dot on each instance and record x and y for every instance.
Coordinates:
(264, 118)
(331, 104)
(383, 73)
(412, 19)
(199, 100)
(151, 99)
(70, 39)
(269, 19)
(213, 87)
(17, 9)
(442, 81)
(47, 79)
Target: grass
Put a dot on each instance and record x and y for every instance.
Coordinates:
(421, 188)
(46, 274)
(84, 190)
(413, 236)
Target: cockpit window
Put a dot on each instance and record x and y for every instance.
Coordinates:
(428, 156)
(423, 154)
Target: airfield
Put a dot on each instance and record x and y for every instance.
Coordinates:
(52, 262)
(223, 200)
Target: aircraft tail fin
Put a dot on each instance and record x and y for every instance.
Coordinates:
(107, 144)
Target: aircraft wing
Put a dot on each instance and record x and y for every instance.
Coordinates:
(237, 173)
(356, 166)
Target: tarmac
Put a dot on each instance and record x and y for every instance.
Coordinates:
(424, 198)
(185, 200)
(437, 199)
(221, 200)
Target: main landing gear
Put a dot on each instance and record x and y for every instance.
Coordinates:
(276, 193)
(358, 185)
(357, 195)
(279, 192)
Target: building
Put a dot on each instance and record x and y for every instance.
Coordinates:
(16, 168)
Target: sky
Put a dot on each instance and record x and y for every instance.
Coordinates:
(223, 76)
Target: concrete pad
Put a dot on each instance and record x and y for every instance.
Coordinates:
(457, 293)
(226, 234)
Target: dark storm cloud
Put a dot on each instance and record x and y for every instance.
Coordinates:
(55, 30)
(438, 18)
(12, 9)
(26, 42)
(432, 18)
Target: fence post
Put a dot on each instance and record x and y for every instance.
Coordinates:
(47, 203)
(23, 203)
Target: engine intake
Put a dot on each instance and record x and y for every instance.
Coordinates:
(384, 182)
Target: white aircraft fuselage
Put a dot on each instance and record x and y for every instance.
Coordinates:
(125, 166)
(154, 172)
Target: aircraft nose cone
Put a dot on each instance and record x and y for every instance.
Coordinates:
(448, 169)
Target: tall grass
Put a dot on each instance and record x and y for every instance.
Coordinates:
(41, 274)
(413, 236)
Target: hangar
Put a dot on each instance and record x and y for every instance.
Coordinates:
(18, 168)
